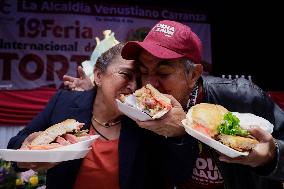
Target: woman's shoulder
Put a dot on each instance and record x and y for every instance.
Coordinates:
(79, 98)
(74, 94)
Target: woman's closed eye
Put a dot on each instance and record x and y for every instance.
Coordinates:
(127, 75)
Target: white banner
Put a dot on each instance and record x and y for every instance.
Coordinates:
(40, 41)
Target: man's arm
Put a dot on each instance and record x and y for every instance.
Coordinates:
(267, 159)
(78, 84)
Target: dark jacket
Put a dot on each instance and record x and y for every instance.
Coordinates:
(240, 95)
(145, 159)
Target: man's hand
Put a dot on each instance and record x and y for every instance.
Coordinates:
(78, 84)
(261, 155)
(170, 124)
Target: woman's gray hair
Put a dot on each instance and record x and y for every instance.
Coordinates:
(105, 59)
(188, 64)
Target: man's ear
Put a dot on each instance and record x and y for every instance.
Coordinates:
(195, 74)
(197, 71)
(97, 76)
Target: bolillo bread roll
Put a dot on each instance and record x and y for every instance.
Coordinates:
(51, 133)
(208, 115)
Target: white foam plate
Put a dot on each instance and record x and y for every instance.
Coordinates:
(42, 155)
(213, 143)
(132, 112)
(65, 153)
(248, 121)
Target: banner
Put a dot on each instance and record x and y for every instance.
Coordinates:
(40, 41)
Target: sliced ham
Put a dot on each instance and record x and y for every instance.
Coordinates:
(62, 141)
(71, 138)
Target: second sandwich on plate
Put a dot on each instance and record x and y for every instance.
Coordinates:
(223, 130)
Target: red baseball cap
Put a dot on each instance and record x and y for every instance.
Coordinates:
(167, 40)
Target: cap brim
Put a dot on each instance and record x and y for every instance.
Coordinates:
(132, 50)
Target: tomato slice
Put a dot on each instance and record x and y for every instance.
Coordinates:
(201, 129)
(167, 106)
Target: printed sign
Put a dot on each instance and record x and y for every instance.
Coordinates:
(40, 41)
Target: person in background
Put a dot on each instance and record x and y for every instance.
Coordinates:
(124, 156)
(169, 58)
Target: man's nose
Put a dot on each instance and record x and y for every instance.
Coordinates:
(132, 85)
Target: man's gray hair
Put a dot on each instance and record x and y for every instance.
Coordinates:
(188, 64)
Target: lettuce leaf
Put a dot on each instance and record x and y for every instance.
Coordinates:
(231, 126)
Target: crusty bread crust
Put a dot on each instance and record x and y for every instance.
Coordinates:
(53, 131)
(239, 143)
(209, 116)
(158, 95)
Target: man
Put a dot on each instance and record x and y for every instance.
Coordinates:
(169, 58)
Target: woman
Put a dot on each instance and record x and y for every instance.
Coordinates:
(118, 158)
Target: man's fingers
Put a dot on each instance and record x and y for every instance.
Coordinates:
(81, 72)
(260, 134)
(67, 83)
(65, 77)
(68, 78)
(160, 130)
(78, 89)
(174, 102)
(148, 124)
(240, 159)
(142, 124)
